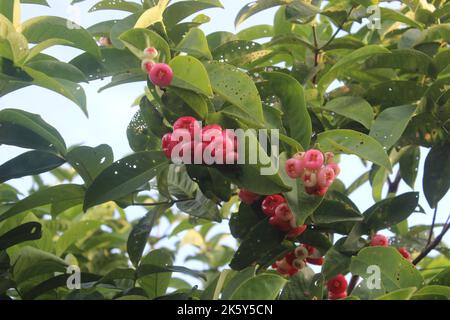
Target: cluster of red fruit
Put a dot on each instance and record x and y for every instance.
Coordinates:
(278, 211)
(297, 259)
(380, 240)
(194, 144)
(317, 170)
(337, 287)
(160, 74)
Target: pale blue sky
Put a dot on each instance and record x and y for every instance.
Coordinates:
(110, 111)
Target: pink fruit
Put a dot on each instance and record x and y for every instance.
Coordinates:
(147, 65)
(161, 75)
(336, 168)
(247, 196)
(294, 168)
(379, 240)
(325, 177)
(310, 179)
(316, 261)
(313, 159)
(337, 296)
(151, 53)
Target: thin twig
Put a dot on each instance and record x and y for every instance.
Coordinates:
(337, 30)
(316, 53)
(352, 284)
(432, 226)
(152, 204)
(432, 245)
(393, 185)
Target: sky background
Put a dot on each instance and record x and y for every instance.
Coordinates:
(110, 111)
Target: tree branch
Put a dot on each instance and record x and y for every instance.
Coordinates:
(337, 30)
(432, 226)
(352, 284)
(432, 245)
(152, 204)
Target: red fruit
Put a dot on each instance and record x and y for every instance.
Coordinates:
(151, 53)
(379, 240)
(333, 296)
(294, 168)
(161, 75)
(292, 271)
(290, 257)
(337, 285)
(283, 212)
(168, 144)
(311, 250)
(248, 197)
(270, 203)
(325, 177)
(315, 261)
(313, 159)
(188, 123)
(405, 253)
(294, 233)
(321, 191)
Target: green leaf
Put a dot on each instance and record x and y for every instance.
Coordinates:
(390, 124)
(116, 5)
(58, 69)
(153, 282)
(261, 239)
(396, 272)
(136, 40)
(196, 102)
(442, 278)
(409, 165)
(68, 89)
(28, 130)
(124, 177)
(213, 289)
(391, 211)
(353, 142)
(201, 207)
(76, 232)
(43, 28)
(355, 108)
(436, 177)
(152, 15)
(347, 61)
(90, 162)
(400, 294)
(262, 287)
(25, 232)
(140, 233)
(29, 163)
(60, 198)
(395, 15)
(336, 262)
(178, 11)
(256, 6)
(245, 219)
(407, 60)
(293, 104)
(195, 44)
(305, 285)
(190, 74)
(30, 262)
(432, 293)
(237, 88)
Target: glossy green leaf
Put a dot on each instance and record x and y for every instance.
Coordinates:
(25, 232)
(354, 108)
(195, 44)
(136, 40)
(436, 177)
(262, 287)
(353, 142)
(28, 130)
(178, 11)
(29, 163)
(77, 232)
(390, 124)
(124, 177)
(190, 74)
(90, 162)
